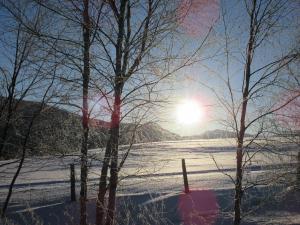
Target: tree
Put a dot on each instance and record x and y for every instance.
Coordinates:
(24, 146)
(85, 108)
(248, 101)
(120, 57)
(11, 79)
(263, 17)
(139, 52)
(76, 51)
(28, 71)
(123, 70)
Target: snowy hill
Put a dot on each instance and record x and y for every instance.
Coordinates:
(57, 130)
(214, 134)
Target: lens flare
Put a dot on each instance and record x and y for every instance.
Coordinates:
(189, 112)
(196, 17)
(198, 207)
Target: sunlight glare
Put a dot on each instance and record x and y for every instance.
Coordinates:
(189, 112)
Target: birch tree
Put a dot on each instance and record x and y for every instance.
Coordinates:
(75, 17)
(140, 50)
(248, 101)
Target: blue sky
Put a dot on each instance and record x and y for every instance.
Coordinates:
(192, 82)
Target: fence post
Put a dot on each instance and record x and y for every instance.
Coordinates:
(185, 179)
(72, 178)
(298, 171)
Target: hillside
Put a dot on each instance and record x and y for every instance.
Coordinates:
(213, 134)
(59, 131)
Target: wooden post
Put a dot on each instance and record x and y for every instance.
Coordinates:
(298, 172)
(185, 179)
(72, 178)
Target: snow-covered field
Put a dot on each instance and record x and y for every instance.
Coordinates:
(150, 168)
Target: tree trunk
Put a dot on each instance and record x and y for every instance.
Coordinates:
(111, 151)
(114, 138)
(85, 112)
(239, 160)
(238, 185)
(23, 153)
(9, 113)
(111, 154)
(100, 205)
(4, 135)
(298, 172)
(3, 211)
(239, 151)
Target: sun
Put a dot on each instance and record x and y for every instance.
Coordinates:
(189, 112)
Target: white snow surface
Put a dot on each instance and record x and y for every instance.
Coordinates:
(150, 167)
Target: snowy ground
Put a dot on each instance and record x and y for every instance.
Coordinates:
(151, 169)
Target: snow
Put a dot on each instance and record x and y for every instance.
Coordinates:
(152, 174)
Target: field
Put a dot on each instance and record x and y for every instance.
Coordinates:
(152, 176)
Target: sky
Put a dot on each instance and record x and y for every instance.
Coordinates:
(195, 82)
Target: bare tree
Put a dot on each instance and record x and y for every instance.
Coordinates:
(139, 53)
(26, 75)
(122, 72)
(85, 109)
(76, 51)
(124, 62)
(248, 101)
(24, 146)
(12, 79)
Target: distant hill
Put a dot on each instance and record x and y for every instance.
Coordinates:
(213, 134)
(57, 130)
